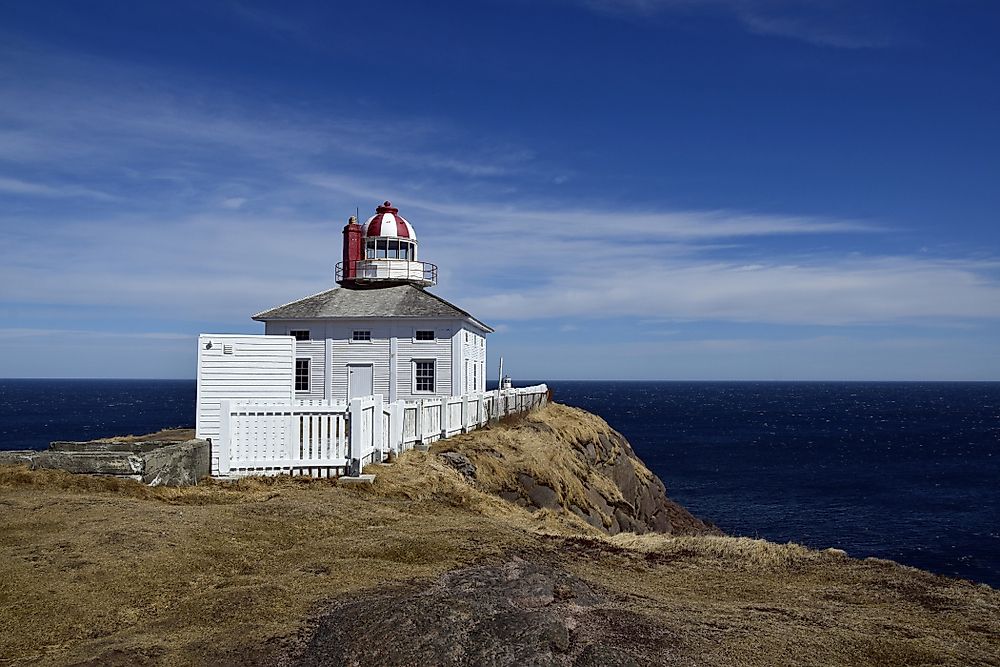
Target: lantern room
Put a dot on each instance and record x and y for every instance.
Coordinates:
(383, 251)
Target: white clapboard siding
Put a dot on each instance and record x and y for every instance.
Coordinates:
(374, 353)
(237, 367)
(438, 350)
(315, 352)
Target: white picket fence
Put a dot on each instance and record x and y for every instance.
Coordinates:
(325, 439)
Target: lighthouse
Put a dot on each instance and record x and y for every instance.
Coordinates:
(381, 331)
(383, 251)
(377, 359)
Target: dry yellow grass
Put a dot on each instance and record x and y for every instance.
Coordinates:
(526, 445)
(112, 571)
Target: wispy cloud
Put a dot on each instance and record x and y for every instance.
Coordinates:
(16, 186)
(217, 212)
(22, 333)
(837, 23)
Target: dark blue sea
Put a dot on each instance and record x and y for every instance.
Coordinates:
(906, 471)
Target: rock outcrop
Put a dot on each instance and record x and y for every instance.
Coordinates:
(564, 459)
(520, 613)
(156, 463)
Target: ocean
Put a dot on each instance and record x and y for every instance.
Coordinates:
(905, 471)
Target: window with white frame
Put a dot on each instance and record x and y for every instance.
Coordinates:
(299, 334)
(361, 335)
(423, 376)
(475, 377)
(390, 249)
(424, 334)
(301, 375)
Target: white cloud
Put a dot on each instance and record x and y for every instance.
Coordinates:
(185, 246)
(19, 187)
(24, 333)
(831, 24)
(818, 291)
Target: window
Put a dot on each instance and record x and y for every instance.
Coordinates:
(299, 334)
(424, 334)
(423, 376)
(475, 377)
(301, 375)
(359, 335)
(389, 249)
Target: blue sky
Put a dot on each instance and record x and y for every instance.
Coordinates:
(650, 189)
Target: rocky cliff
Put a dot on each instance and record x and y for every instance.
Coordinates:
(566, 459)
(430, 565)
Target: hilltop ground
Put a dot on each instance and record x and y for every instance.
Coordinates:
(430, 566)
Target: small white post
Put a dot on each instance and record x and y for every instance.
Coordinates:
(418, 425)
(465, 413)
(398, 414)
(294, 439)
(377, 429)
(354, 443)
(444, 417)
(224, 435)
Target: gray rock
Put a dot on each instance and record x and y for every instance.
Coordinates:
(538, 495)
(173, 464)
(461, 463)
(18, 457)
(512, 497)
(95, 463)
(108, 446)
(177, 465)
(520, 613)
(544, 496)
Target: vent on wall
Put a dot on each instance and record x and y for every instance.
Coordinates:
(227, 349)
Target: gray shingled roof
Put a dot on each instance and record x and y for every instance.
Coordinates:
(354, 303)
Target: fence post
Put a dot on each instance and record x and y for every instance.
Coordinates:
(418, 422)
(396, 417)
(465, 413)
(294, 438)
(225, 432)
(354, 439)
(377, 442)
(444, 417)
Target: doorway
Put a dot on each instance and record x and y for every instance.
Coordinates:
(360, 381)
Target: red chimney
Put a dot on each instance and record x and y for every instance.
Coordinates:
(352, 251)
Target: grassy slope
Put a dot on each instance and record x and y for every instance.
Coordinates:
(104, 569)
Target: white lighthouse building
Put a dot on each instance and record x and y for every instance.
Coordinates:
(381, 331)
(341, 378)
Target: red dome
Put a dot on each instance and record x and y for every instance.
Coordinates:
(387, 222)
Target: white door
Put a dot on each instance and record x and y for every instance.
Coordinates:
(360, 381)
